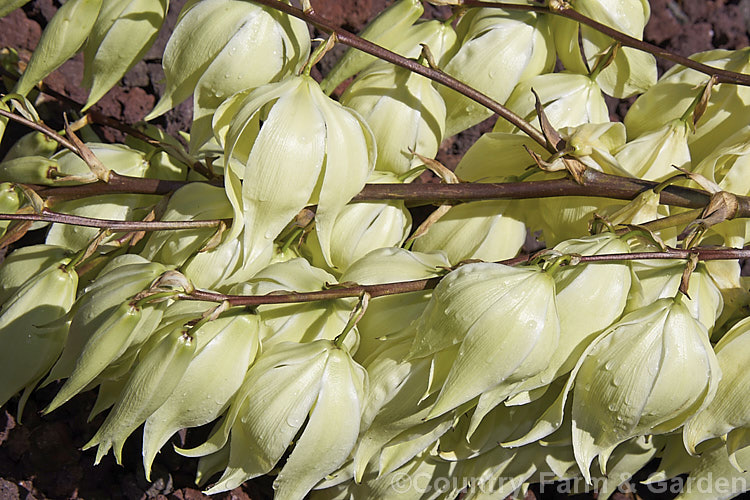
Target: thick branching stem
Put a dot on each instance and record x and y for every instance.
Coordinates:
(113, 225)
(595, 184)
(395, 288)
(563, 9)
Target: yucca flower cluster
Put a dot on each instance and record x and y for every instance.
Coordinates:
(492, 373)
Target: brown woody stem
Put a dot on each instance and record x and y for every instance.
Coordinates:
(382, 289)
(113, 225)
(435, 75)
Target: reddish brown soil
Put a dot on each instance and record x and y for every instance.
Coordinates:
(41, 458)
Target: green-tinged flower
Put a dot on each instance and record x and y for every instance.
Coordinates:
(31, 144)
(506, 473)
(298, 322)
(386, 30)
(154, 378)
(498, 157)
(631, 71)
(409, 482)
(388, 315)
(647, 374)
(477, 230)
(403, 109)
(729, 412)
(498, 49)
(194, 201)
(10, 201)
(594, 145)
(113, 207)
(676, 90)
(105, 345)
(401, 394)
(31, 330)
(479, 431)
(726, 166)
(361, 228)
(590, 297)
(211, 49)
(315, 385)
(98, 302)
(25, 263)
(503, 321)
(658, 279)
(225, 348)
(568, 100)
(714, 477)
(121, 36)
(653, 155)
(62, 38)
(309, 149)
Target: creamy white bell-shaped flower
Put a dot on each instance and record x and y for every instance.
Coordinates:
(225, 348)
(729, 409)
(590, 297)
(726, 110)
(388, 315)
(498, 49)
(653, 155)
(631, 71)
(404, 110)
(302, 322)
(476, 230)
(211, 47)
(360, 228)
(647, 374)
(31, 329)
(316, 385)
(658, 279)
(503, 322)
(568, 99)
(296, 147)
(726, 166)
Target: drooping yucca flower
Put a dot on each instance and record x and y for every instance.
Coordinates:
(647, 374)
(295, 146)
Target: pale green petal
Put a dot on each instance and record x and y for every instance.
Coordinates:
(349, 159)
(121, 36)
(333, 426)
(210, 380)
(282, 169)
(61, 39)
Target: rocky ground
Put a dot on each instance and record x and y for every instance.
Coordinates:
(41, 458)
